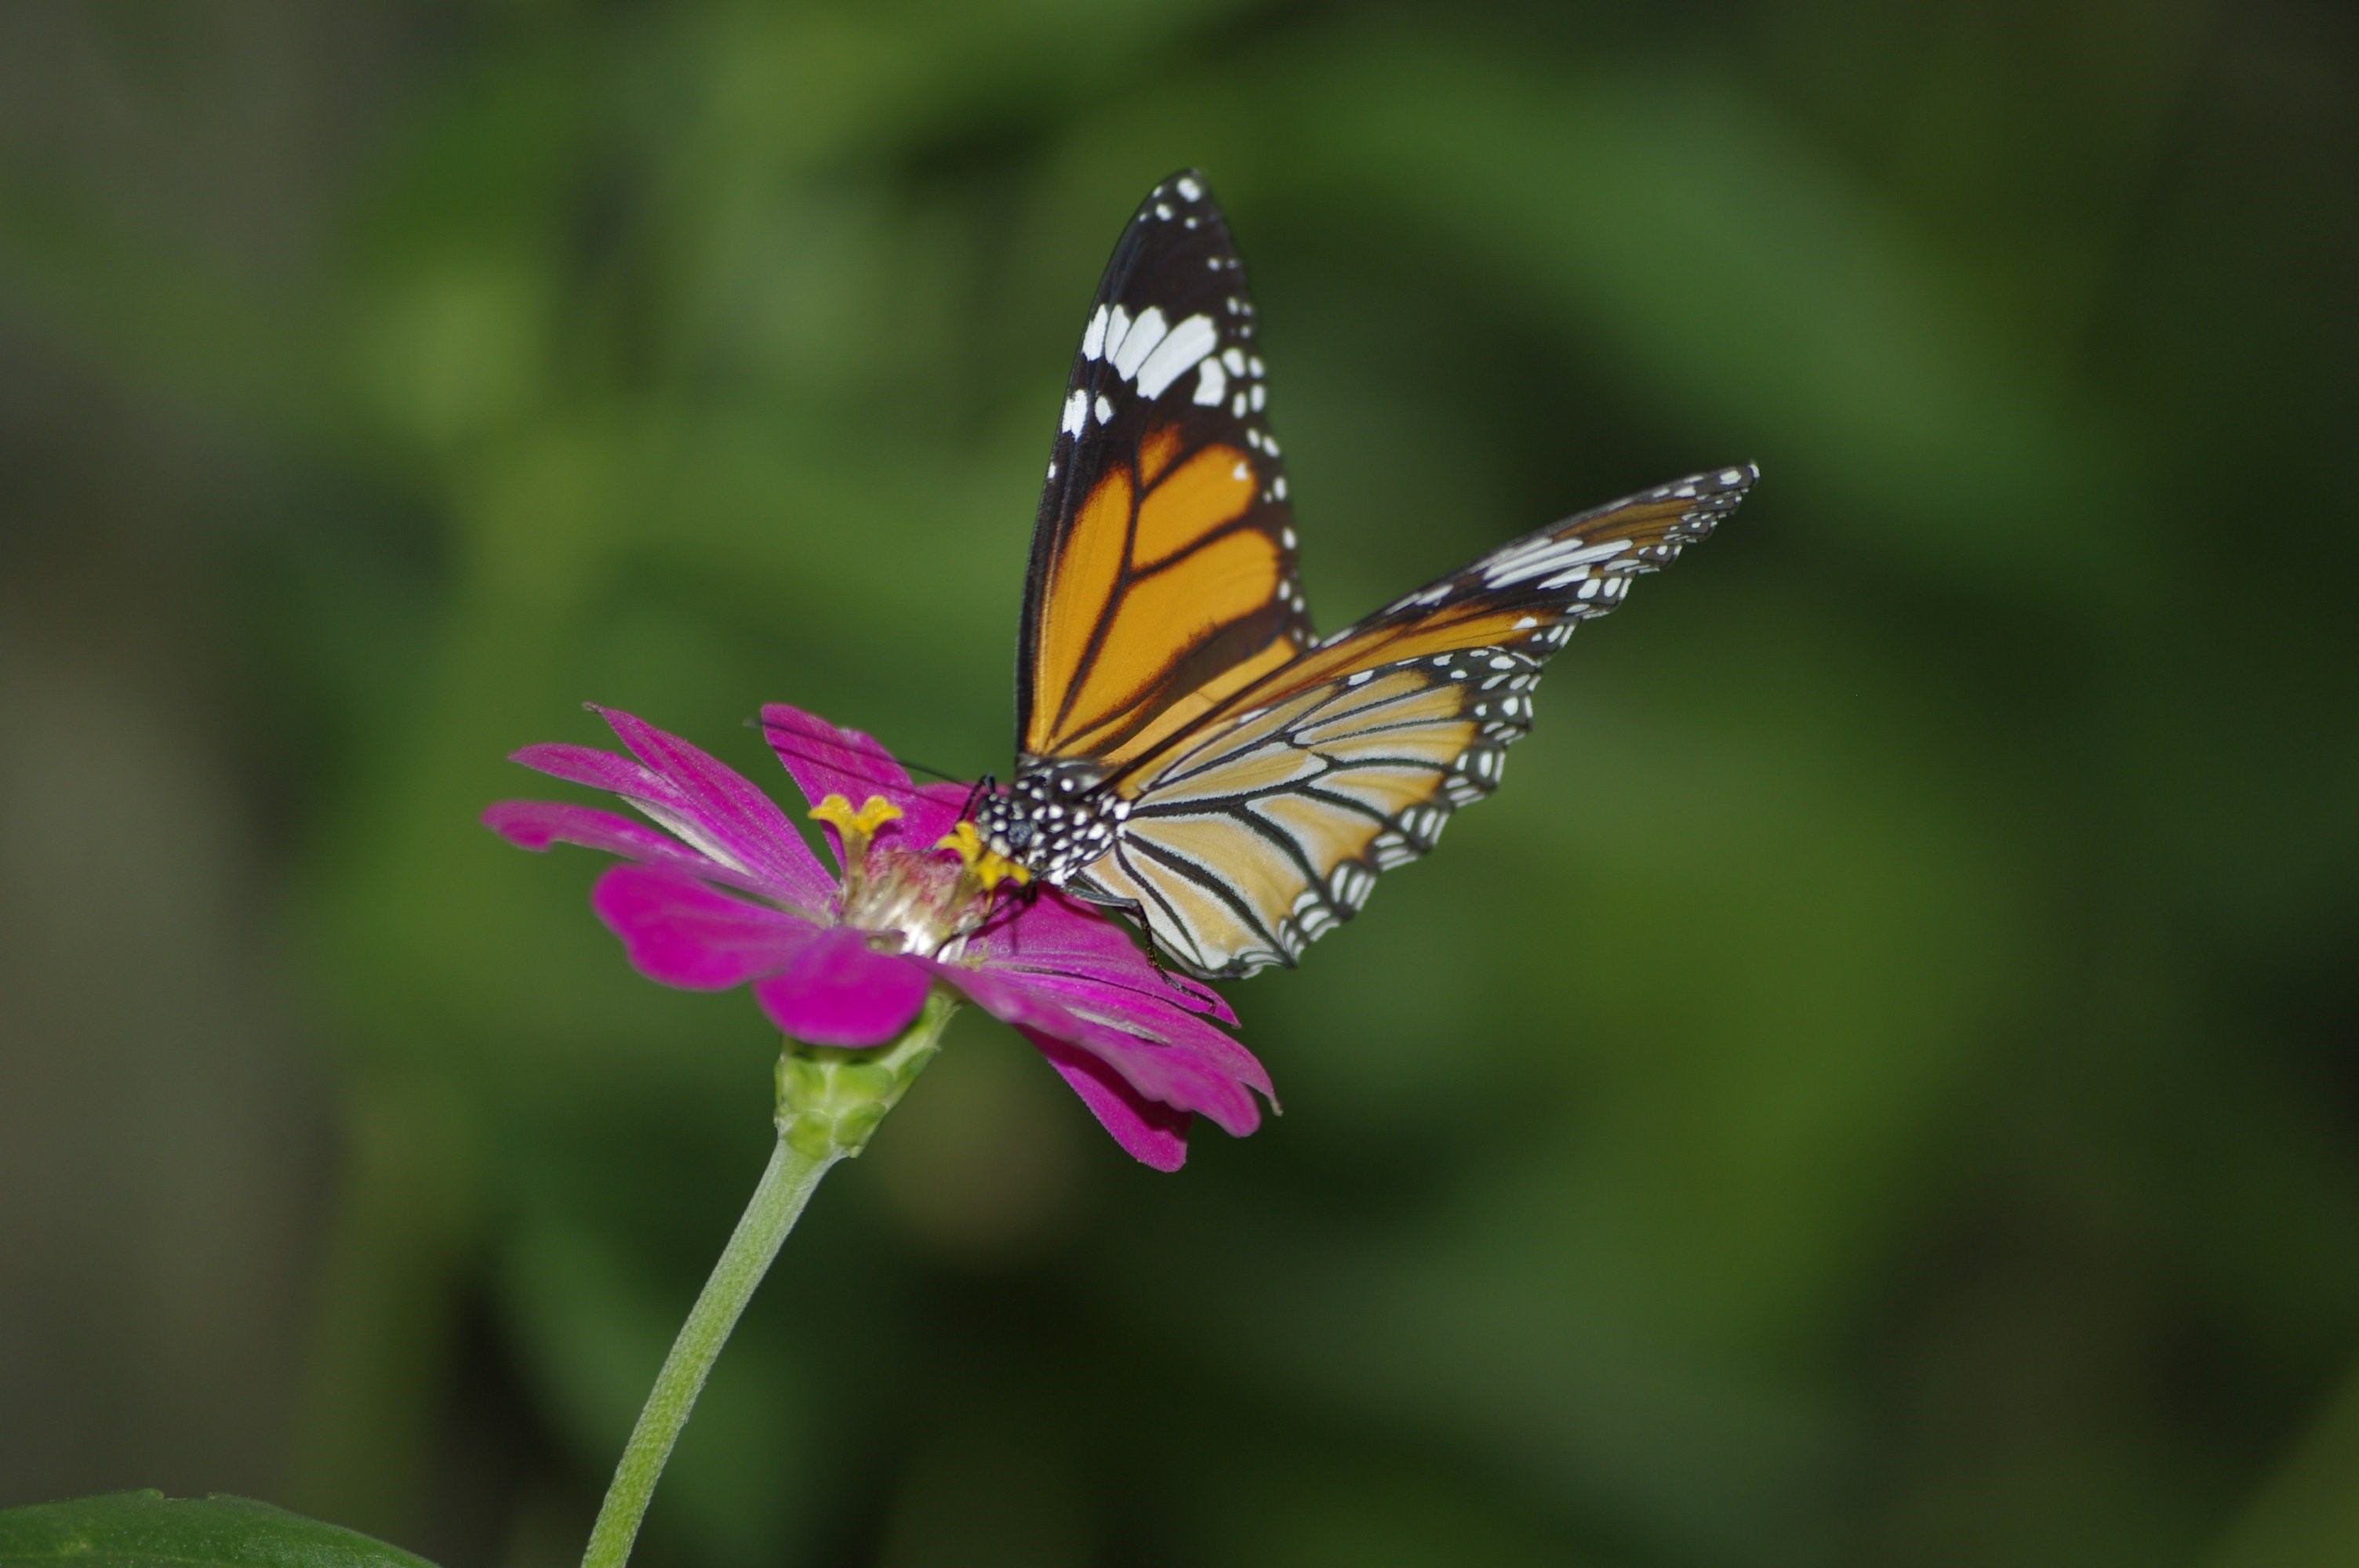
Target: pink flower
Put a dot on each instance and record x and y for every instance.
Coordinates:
(729, 893)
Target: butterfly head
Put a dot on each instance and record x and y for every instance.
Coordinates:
(1054, 819)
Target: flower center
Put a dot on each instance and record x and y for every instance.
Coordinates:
(911, 900)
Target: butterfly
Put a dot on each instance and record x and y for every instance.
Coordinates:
(1190, 751)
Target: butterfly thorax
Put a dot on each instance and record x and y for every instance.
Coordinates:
(1054, 819)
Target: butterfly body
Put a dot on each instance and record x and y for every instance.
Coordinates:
(1054, 819)
(1189, 750)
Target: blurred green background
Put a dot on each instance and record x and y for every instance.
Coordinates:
(1876, 1086)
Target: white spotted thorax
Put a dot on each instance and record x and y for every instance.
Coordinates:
(1054, 819)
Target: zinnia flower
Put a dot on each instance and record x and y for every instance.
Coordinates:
(729, 894)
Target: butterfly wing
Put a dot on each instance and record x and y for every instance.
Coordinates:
(1264, 826)
(1162, 577)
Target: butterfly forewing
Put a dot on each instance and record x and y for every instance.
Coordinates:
(1162, 577)
(1264, 825)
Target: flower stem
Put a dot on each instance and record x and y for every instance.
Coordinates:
(830, 1102)
(784, 1187)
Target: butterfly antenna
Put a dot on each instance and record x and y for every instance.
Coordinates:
(916, 766)
(842, 761)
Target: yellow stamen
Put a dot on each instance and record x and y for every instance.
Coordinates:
(855, 828)
(985, 864)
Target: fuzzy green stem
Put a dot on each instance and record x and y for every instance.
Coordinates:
(830, 1102)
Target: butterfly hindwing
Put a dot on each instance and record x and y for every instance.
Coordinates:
(1163, 560)
(1264, 826)
(1269, 833)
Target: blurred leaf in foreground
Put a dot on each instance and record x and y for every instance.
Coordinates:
(142, 1528)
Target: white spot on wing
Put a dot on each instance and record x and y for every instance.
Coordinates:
(1546, 556)
(1211, 384)
(1077, 413)
(1139, 343)
(1175, 353)
(1093, 339)
(1191, 189)
(1105, 410)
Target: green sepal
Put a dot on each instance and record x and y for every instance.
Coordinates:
(148, 1530)
(832, 1099)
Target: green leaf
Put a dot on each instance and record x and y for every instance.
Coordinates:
(142, 1528)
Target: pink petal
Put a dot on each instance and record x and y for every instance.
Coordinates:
(837, 991)
(1180, 1072)
(1062, 936)
(599, 770)
(931, 812)
(713, 807)
(1151, 1133)
(1094, 1001)
(827, 761)
(538, 823)
(682, 932)
(1173, 1074)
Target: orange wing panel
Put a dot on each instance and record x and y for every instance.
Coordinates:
(1170, 592)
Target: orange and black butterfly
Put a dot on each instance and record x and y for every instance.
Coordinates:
(1190, 750)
